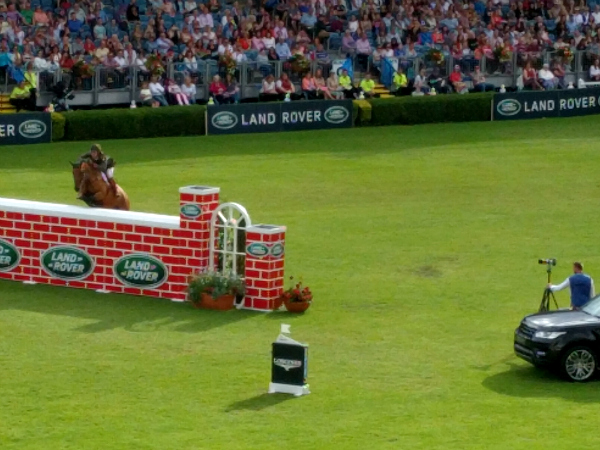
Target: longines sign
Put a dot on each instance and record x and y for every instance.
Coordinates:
(539, 104)
(280, 116)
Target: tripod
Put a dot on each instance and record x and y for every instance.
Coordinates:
(545, 303)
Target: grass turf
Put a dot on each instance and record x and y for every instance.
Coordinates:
(421, 246)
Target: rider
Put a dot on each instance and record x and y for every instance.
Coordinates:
(101, 162)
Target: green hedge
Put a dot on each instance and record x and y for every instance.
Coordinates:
(135, 123)
(58, 126)
(431, 109)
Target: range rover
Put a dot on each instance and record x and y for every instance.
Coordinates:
(564, 340)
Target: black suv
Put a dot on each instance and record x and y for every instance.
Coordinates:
(565, 340)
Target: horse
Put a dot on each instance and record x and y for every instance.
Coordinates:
(98, 194)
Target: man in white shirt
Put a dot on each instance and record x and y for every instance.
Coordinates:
(120, 60)
(596, 13)
(549, 81)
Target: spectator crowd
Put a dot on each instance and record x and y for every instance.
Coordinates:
(78, 36)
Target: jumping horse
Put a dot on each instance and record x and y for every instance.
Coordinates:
(98, 193)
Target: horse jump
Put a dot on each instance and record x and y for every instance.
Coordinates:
(131, 252)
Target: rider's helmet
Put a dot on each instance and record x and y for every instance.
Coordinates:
(98, 149)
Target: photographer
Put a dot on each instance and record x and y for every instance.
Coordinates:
(581, 285)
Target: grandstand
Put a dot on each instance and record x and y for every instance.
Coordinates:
(105, 50)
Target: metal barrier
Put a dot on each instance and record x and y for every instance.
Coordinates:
(120, 86)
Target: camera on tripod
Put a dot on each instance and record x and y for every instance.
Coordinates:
(545, 303)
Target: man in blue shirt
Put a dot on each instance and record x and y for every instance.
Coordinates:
(581, 285)
(74, 24)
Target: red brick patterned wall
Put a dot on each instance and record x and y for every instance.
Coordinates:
(123, 252)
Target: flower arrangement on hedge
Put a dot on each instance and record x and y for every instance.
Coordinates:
(214, 290)
(228, 63)
(83, 69)
(154, 65)
(566, 54)
(298, 297)
(434, 55)
(502, 54)
(299, 63)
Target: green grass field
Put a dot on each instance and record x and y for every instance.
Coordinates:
(421, 246)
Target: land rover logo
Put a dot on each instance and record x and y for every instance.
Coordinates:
(277, 250)
(67, 263)
(140, 270)
(509, 107)
(191, 211)
(336, 114)
(32, 129)
(9, 256)
(224, 120)
(287, 364)
(257, 250)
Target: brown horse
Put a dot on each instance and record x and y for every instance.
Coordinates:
(97, 192)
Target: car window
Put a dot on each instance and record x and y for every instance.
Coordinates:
(593, 306)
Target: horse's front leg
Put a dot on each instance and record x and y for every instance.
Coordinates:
(99, 196)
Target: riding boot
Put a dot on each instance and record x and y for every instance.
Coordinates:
(113, 185)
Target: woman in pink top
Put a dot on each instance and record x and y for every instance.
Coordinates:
(321, 85)
(257, 43)
(308, 86)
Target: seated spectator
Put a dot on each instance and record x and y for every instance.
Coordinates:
(559, 72)
(479, 83)
(175, 91)
(146, 95)
(348, 44)
(40, 17)
(284, 87)
(420, 83)
(282, 49)
(547, 78)
(457, 81)
(308, 20)
(19, 97)
(399, 82)
(367, 86)
(158, 92)
(232, 90)
(74, 23)
(530, 77)
(345, 83)
(595, 70)
(217, 89)
(309, 89)
(189, 90)
(268, 91)
(321, 85)
(99, 30)
(333, 86)
(321, 56)
(363, 51)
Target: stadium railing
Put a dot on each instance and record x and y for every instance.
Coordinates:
(110, 86)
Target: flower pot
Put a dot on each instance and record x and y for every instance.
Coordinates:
(222, 303)
(277, 304)
(296, 307)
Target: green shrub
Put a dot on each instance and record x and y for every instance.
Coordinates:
(135, 123)
(58, 126)
(431, 109)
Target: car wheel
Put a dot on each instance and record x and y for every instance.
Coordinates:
(579, 364)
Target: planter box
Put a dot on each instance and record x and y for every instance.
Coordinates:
(222, 303)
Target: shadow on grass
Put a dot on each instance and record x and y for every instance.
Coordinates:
(258, 402)
(530, 382)
(112, 311)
